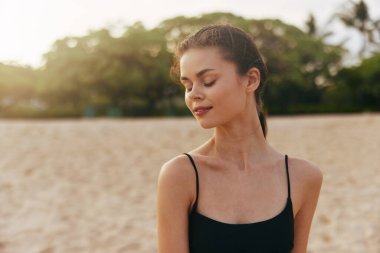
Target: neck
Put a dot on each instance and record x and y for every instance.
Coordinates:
(241, 143)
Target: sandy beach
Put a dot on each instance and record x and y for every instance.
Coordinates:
(89, 185)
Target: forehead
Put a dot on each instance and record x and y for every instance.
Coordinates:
(196, 59)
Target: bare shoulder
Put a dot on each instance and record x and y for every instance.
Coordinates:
(177, 174)
(176, 168)
(174, 197)
(306, 181)
(306, 171)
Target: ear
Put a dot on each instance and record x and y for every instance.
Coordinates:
(252, 79)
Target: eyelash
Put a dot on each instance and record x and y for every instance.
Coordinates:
(205, 84)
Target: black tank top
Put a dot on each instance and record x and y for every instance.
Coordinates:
(275, 235)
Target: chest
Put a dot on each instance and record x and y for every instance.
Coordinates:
(242, 199)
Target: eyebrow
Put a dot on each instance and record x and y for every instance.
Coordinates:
(198, 74)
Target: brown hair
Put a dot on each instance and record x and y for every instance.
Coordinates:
(236, 46)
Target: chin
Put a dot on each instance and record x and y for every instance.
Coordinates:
(206, 125)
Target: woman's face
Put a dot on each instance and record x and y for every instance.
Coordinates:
(211, 81)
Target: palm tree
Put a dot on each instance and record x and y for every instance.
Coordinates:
(356, 15)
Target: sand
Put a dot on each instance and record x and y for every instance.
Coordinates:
(89, 185)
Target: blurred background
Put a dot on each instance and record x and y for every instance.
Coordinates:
(322, 57)
(82, 178)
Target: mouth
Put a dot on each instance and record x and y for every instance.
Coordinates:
(202, 111)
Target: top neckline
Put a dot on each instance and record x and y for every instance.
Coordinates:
(287, 206)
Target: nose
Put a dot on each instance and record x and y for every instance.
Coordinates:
(196, 93)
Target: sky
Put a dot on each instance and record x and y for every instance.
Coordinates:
(28, 28)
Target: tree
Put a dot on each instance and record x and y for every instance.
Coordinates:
(355, 15)
(126, 74)
(311, 25)
(17, 88)
(100, 74)
(357, 88)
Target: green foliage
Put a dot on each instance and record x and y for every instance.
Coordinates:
(102, 75)
(299, 64)
(357, 88)
(126, 74)
(17, 86)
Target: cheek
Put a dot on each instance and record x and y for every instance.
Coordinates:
(228, 95)
(232, 105)
(230, 100)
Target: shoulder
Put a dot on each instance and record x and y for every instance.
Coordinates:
(306, 181)
(305, 171)
(177, 177)
(177, 168)
(174, 196)
(308, 178)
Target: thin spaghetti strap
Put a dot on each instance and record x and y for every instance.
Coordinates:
(287, 173)
(196, 173)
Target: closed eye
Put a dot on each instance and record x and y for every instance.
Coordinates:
(209, 84)
(205, 84)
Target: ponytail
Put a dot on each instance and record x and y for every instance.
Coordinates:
(263, 123)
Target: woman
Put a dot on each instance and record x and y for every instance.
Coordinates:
(234, 193)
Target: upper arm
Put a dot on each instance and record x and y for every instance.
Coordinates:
(173, 201)
(313, 178)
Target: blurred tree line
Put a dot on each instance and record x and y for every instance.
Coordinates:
(128, 75)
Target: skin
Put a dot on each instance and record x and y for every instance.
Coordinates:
(235, 164)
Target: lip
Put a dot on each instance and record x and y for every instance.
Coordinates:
(201, 110)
